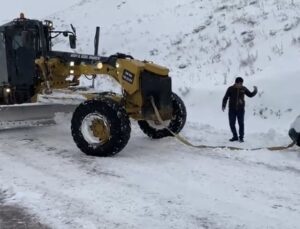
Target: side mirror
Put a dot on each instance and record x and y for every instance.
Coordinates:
(72, 40)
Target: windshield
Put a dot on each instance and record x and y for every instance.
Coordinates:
(26, 39)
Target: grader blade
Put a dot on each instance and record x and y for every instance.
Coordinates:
(30, 115)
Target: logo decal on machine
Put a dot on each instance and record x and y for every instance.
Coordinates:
(128, 76)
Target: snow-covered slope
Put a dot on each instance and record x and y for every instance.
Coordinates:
(162, 184)
(31, 8)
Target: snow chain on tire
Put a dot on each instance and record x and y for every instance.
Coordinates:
(175, 125)
(116, 119)
(188, 143)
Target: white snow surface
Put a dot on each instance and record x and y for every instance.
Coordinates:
(296, 124)
(162, 183)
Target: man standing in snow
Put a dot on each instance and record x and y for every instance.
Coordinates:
(236, 94)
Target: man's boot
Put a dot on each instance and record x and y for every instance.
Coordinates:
(233, 139)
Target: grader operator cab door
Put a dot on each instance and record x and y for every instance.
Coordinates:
(21, 53)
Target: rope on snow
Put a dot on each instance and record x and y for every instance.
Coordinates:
(188, 143)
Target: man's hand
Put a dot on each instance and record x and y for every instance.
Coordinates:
(255, 88)
(223, 109)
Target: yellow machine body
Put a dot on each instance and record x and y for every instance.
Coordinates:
(139, 81)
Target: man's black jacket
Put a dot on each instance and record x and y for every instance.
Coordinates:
(236, 95)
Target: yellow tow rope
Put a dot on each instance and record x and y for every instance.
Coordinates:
(186, 142)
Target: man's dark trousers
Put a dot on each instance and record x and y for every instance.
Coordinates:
(237, 115)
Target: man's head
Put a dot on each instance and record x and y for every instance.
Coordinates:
(239, 80)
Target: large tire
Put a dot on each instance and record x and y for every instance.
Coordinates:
(175, 124)
(116, 121)
(295, 136)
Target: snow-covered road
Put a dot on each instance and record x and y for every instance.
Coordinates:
(150, 184)
(164, 184)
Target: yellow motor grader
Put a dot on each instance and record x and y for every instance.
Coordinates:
(100, 124)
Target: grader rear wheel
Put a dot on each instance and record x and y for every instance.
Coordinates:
(100, 127)
(157, 130)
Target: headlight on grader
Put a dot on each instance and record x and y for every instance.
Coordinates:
(118, 65)
(99, 65)
(72, 72)
(72, 63)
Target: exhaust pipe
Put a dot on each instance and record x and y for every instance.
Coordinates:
(96, 50)
(96, 41)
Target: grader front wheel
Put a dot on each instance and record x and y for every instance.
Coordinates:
(100, 127)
